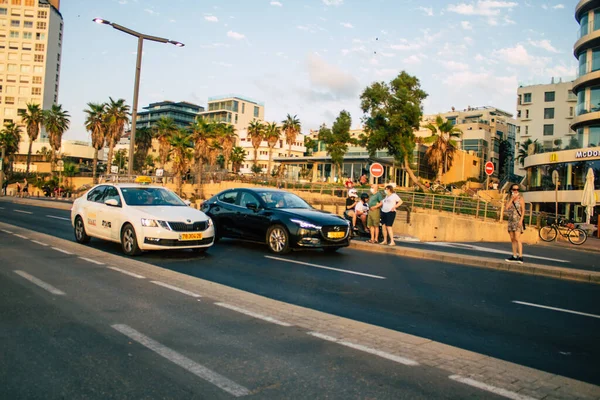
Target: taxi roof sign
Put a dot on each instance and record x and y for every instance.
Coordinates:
(144, 180)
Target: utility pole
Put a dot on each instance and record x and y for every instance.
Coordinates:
(2, 171)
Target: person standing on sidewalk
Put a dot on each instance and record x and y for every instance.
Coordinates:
(388, 214)
(374, 215)
(515, 210)
(25, 191)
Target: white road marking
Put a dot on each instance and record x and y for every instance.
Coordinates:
(382, 354)
(493, 389)
(21, 236)
(556, 309)
(127, 272)
(324, 267)
(23, 212)
(92, 261)
(40, 283)
(62, 251)
(252, 314)
(7, 231)
(487, 250)
(199, 370)
(61, 218)
(40, 243)
(2, 208)
(175, 288)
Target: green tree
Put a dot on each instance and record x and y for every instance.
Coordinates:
(120, 159)
(393, 113)
(310, 144)
(165, 128)
(256, 132)
(46, 153)
(440, 154)
(336, 140)
(117, 115)
(238, 156)
(505, 159)
(10, 137)
(256, 169)
(227, 136)
(70, 169)
(202, 132)
(527, 147)
(95, 123)
(181, 154)
(143, 144)
(271, 135)
(33, 118)
(573, 144)
(56, 121)
(291, 127)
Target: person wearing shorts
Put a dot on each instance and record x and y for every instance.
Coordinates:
(25, 192)
(351, 203)
(388, 214)
(374, 215)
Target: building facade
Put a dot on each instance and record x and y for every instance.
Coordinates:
(235, 110)
(279, 151)
(183, 113)
(30, 56)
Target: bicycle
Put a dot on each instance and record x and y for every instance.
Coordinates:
(575, 235)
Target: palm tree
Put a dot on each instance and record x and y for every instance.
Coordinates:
(95, 123)
(525, 149)
(214, 150)
(46, 153)
(32, 117)
(291, 127)
(202, 131)
(143, 143)
(56, 121)
(181, 152)
(117, 115)
(164, 129)
(441, 152)
(272, 134)
(238, 156)
(256, 133)
(10, 137)
(226, 139)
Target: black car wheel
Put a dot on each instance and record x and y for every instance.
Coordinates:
(331, 249)
(80, 234)
(129, 241)
(278, 239)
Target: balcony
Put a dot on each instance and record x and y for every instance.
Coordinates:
(586, 114)
(588, 37)
(585, 6)
(587, 80)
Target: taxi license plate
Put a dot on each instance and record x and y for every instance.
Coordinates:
(336, 235)
(190, 236)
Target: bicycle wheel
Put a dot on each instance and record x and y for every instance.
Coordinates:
(577, 236)
(548, 233)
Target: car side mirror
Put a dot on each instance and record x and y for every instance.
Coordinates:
(112, 203)
(252, 206)
(187, 203)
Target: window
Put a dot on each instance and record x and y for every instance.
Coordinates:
(24, 79)
(526, 113)
(519, 102)
(594, 137)
(42, 14)
(26, 57)
(527, 98)
(236, 118)
(14, 34)
(12, 56)
(548, 130)
(518, 113)
(13, 45)
(16, 2)
(96, 194)
(40, 36)
(41, 25)
(12, 68)
(243, 108)
(256, 110)
(28, 24)
(584, 25)
(38, 69)
(548, 113)
(11, 89)
(0, 88)
(111, 193)
(25, 69)
(15, 23)
(38, 58)
(571, 111)
(9, 112)
(11, 78)
(26, 46)
(9, 100)
(228, 197)
(27, 35)
(549, 96)
(2, 45)
(37, 80)
(23, 91)
(3, 11)
(39, 47)
(248, 198)
(526, 129)
(29, 3)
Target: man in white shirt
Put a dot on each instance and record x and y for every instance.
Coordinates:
(361, 210)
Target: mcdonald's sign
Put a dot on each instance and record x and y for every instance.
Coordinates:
(553, 157)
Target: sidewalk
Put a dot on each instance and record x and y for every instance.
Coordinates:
(592, 244)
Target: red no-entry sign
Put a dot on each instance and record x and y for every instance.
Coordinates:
(489, 167)
(376, 170)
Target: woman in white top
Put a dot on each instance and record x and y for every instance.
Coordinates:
(388, 214)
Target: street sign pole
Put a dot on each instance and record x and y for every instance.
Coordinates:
(556, 183)
(2, 171)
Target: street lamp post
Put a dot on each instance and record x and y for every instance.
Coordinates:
(138, 66)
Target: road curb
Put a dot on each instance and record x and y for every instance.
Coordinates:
(568, 274)
(56, 204)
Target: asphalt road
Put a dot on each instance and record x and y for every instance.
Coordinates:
(109, 336)
(466, 307)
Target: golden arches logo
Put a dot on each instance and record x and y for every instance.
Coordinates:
(553, 157)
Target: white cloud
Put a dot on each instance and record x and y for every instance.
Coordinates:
(544, 44)
(451, 50)
(488, 8)
(276, 4)
(559, 6)
(386, 72)
(519, 56)
(414, 59)
(213, 45)
(427, 10)
(561, 71)
(172, 21)
(466, 25)
(468, 40)
(455, 65)
(486, 81)
(122, 1)
(333, 2)
(235, 35)
(151, 11)
(337, 83)
(417, 43)
(347, 25)
(211, 18)
(223, 64)
(355, 49)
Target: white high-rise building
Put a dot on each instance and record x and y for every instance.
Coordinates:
(30, 55)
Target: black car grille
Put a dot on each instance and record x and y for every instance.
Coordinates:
(183, 227)
(334, 228)
(180, 243)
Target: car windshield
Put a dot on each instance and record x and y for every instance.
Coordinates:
(282, 200)
(150, 196)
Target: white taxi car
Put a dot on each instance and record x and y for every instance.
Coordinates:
(140, 217)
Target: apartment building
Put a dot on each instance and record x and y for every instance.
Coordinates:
(182, 112)
(235, 110)
(30, 55)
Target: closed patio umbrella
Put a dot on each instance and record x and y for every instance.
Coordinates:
(589, 197)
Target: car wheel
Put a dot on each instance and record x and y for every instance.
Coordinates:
(217, 233)
(278, 240)
(129, 241)
(199, 250)
(331, 249)
(81, 235)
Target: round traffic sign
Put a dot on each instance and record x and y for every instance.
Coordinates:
(376, 170)
(489, 168)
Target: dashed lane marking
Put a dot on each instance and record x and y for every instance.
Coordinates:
(21, 236)
(40, 243)
(7, 231)
(489, 388)
(23, 212)
(252, 314)
(40, 283)
(92, 261)
(200, 371)
(324, 267)
(61, 218)
(62, 251)
(127, 272)
(177, 289)
(382, 354)
(556, 309)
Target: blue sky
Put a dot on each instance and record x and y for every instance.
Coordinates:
(313, 57)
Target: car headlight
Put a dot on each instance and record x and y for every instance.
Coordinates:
(151, 223)
(210, 222)
(305, 224)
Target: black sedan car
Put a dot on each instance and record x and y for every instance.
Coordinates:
(280, 219)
